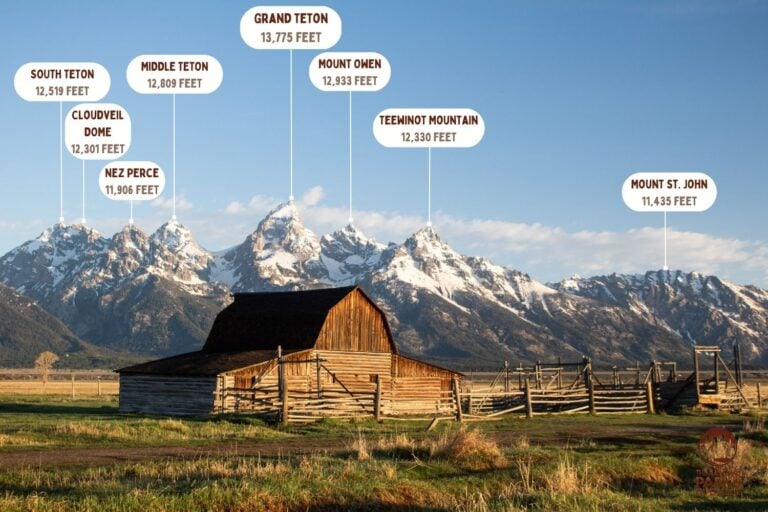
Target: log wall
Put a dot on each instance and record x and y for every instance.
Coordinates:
(171, 395)
(346, 386)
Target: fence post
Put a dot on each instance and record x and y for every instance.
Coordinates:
(377, 399)
(649, 396)
(284, 400)
(457, 397)
(73, 384)
(98, 385)
(717, 376)
(469, 400)
(696, 372)
(282, 386)
(538, 375)
(591, 390)
(759, 396)
(528, 402)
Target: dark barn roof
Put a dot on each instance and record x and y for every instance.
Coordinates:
(262, 321)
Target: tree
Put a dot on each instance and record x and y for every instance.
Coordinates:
(44, 363)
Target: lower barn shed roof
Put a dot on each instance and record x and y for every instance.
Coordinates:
(203, 363)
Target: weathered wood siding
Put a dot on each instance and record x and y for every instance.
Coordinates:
(403, 366)
(165, 394)
(354, 325)
(420, 388)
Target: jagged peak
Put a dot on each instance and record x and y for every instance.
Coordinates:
(130, 229)
(426, 242)
(61, 230)
(173, 234)
(427, 233)
(352, 234)
(287, 210)
(129, 234)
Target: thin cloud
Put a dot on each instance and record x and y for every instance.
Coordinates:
(166, 203)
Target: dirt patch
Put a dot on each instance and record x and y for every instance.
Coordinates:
(106, 456)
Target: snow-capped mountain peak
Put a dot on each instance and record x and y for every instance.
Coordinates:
(349, 255)
(280, 254)
(159, 292)
(52, 259)
(282, 229)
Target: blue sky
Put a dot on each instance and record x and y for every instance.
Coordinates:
(575, 95)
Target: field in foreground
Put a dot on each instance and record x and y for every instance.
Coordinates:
(62, 454)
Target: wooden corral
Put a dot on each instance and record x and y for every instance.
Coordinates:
(293, 356)
(556, 388)
(723, 388)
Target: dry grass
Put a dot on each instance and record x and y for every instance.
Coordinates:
(360, 446)
(524, 466)
(568, 478)
(522, 442)
(57, 387)
(751, 462)
(653, 472)
(756, 425)
(468, 449)
(471, 449)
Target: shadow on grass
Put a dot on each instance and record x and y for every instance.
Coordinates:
(733, 503)
(364, 507)
(59, 408)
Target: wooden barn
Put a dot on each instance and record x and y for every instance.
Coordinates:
(293, 356)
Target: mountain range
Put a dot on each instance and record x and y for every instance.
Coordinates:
(157, 295)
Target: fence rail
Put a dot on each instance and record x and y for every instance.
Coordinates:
(488, 402)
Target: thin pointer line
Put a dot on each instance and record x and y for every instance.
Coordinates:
(350, 157)
(174, 163)
(83, 219)
(429, 186)
(290, 80)
(61, 163)
(666, 267)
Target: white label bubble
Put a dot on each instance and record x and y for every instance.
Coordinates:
(62, 81)
(174, 74)
(273, 27)
(349, 71)
(97, 131)
(428, 127)
(669, 191)
(131, 181)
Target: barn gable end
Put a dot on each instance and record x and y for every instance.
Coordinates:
(355, 324)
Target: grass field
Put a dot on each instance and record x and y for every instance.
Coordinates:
(57, 387)
(61, 454)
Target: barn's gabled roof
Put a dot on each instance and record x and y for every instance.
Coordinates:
(262, 321)
(203, 363)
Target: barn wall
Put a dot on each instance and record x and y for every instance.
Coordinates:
(403, 366)
(421, 388)
(354, 325)
(346, 386)
(356, 371)
(166, 394)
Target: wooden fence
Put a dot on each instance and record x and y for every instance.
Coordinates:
(488, 402)
(300, 406)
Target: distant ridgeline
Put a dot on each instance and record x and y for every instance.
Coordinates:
(157, 295)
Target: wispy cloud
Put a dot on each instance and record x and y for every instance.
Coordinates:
(166, 203)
